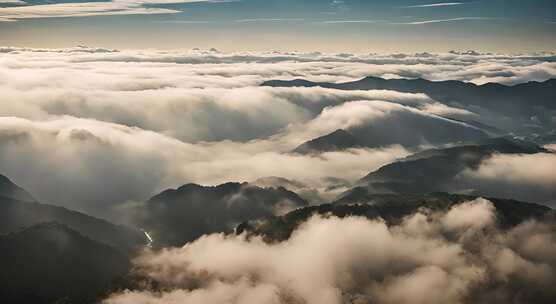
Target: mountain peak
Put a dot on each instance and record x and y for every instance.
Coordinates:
(337, 140)
(175, 217)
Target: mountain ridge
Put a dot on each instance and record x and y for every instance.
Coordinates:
(516, 108)
(16, 214)
(391, 208)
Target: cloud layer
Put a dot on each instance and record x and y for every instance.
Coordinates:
(258, 66)
(93, 165)
(108, 127)
(525, 177)
(455, 257)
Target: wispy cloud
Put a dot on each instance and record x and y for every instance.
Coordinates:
(442, 20)
(269, 20)
(181, 22)
(349, 21)
(12, 2)
(339, 5)
(85, 9)
(441, 4)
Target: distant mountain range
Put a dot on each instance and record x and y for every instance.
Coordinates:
(524, 107)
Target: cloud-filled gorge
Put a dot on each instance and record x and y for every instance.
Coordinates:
(283, 177)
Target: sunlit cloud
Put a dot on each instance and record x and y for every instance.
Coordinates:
(432, 21)
(95, 110)
(85, 9)
(12, 2)
(440, 4)
(181, 22)
(269, 20)
(349, 21)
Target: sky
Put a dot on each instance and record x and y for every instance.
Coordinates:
(312, 25)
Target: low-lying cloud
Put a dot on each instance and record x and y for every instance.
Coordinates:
(193, 115)
(93, 166)
(455, 257)
(108, 127)
(255, 67)
(526, 177)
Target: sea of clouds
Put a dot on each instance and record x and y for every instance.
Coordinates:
(92, 128)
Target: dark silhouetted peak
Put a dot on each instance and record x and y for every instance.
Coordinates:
(175, 217)
(335, 141)
(9, 189)
(289, 83)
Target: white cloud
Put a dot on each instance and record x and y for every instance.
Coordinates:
(256, 67)
(474, 215)
(83, 9)
(433, 21)
(355, 260)
(440, 4)
(153, 111)
(533, 169)
(12, 2)
(525, 177)
(349, 21)
(447, 111)
(269, 20)
(102, 165)
(181, 22)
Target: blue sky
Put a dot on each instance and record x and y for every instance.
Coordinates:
(323, 25)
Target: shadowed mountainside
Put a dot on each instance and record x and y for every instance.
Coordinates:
(16, 214)
(400, 126)
(177, 216)
(51, 263)
(9, 189)
(335, 141)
